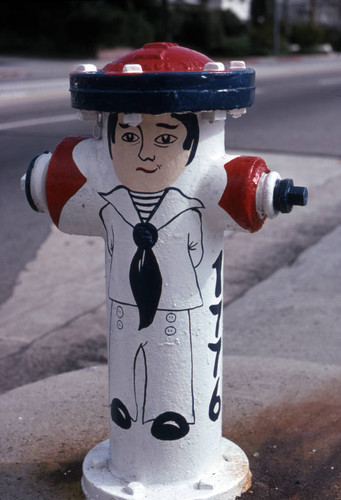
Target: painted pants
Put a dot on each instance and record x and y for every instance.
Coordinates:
(151, 370)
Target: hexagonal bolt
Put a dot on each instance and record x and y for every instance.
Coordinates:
(98, 462)
(132, 68)
(237, 113)
(86, 68)
(135, 489)
(237, 65)
(205, 485)
(214, 66)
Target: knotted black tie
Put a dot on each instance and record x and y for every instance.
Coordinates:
(145, 277)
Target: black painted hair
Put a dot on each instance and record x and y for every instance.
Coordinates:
(112, 122)
(189, 120)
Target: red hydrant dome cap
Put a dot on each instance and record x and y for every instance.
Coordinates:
(160, 57)
(161, 78)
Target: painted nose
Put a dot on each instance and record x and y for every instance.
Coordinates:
(146, 153)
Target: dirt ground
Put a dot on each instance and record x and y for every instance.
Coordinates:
(294, 451)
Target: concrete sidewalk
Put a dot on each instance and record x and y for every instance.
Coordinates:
(284, 414)
(281, 344)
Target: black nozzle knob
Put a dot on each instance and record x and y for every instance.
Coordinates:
(286, 195)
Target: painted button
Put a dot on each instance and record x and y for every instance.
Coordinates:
(119, 324)
(171, 317)
(170, 330)
(119, 312)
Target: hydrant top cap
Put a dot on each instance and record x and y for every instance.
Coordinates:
(161, 78)
(160, 57)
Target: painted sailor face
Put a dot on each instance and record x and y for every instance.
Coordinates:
(150, 156)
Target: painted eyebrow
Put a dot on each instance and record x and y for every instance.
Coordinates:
(124, 125)
(166, 125)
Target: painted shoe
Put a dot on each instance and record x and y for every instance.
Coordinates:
(120, 414)
(169, 426)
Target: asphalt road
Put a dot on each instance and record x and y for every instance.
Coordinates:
(22, 229)
(297, 110)
(293, 113)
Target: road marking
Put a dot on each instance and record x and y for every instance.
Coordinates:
(38, 121)
(35, 85)
(33, 90)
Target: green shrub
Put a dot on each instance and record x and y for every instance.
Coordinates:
(307, 35)
(261, 39)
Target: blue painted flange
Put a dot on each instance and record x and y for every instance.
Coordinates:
(163, 92)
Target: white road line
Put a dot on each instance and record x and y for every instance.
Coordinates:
(38, 121)
(34, 85)
(33, 90)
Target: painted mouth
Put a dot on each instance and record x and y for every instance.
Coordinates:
(146, 171)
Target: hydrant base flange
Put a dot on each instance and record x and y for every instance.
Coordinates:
(230, 478)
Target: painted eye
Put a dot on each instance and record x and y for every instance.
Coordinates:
(165, 139)
(130, 137)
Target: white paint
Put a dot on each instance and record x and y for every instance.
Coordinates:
(237, 65)
(174, 364)
(264, 195)
(229, 478)
(132, 68)
(135, 454)
(237, 113)
(23, 182)
(219, 115)
(136, 489)
(132, 119)
(38, 181)
(214, 66)
(86, 115)
(86, 68)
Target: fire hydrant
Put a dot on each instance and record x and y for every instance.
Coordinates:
(156, 183)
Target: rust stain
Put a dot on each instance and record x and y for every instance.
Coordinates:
(64, 479)
(294, 449)
(248, 482)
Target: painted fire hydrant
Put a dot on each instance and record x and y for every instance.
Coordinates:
(155, 182)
